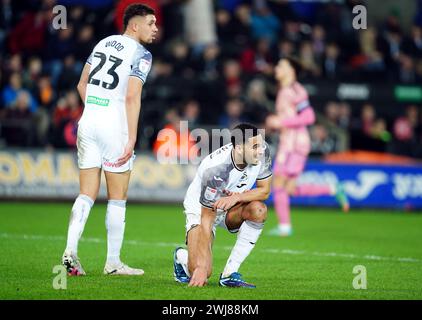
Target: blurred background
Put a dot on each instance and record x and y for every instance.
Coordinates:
(213, 65)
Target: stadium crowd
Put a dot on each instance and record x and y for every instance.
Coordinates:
(213, 65)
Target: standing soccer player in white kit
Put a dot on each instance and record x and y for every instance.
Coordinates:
(111, 86)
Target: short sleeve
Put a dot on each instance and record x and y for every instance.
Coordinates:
(89, 60)
(141, 64)
(213, 184)
(265, 171)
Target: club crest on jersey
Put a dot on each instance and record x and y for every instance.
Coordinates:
(144, 65)
(210, 193)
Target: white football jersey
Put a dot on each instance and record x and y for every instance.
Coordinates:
(113, 60)
(218, 172)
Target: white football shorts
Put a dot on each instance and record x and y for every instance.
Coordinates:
(101, 148)
(194, 219)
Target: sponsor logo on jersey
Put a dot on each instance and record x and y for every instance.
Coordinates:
(98, 101)
(210, 193)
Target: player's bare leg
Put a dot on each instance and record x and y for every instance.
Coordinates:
(117, 186)
(281, 188)
(89, 181)
(249, 219)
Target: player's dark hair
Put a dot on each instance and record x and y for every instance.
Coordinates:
(242, 133)
(296, 64)
(136, 9)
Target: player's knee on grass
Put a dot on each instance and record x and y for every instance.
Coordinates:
(257, 211)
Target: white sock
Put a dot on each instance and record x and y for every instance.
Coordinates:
(80, 212)
(285, 227)
(182, 258)
(249, 233)
(115, 224)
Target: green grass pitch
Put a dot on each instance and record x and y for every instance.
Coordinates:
(315, 263)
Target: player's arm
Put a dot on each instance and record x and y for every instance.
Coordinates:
(260, 193)
(133, 109)
(303, 118)
(83, 81)
(141, 65)
(203, 255)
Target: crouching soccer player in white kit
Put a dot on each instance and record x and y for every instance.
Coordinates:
(111, 86)
(221, 195)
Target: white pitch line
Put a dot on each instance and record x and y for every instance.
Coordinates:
(174, 244)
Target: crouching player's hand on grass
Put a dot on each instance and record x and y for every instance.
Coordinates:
(199, 278)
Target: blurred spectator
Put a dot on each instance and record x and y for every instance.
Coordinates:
(286, 49)
(12, 65)
(173, 18)
(65, 118)
(28, 36)
(242, 25)
(308, 61)
(32, 74)
(321, 141)
(264, 24)
(367, 120)
(292, 31)
(190, 112)
(338, 136)
(258, 59)
(331, 67)
(370, 132)
(226, 31)
(44, 91)
(318, 41)
(69, 74)
(11, 91)
(407, 70)
(85, 43)
(413, 44)
(233, 81)
(18, 127)
(370, 58)
(257, 104)
(200, 26)
(344, 115)
(379, 130)
(407, 133)
(233, 114)
(179, 57)
(208, 64)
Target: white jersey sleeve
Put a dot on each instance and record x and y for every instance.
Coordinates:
(213, 183)
(141, 65)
